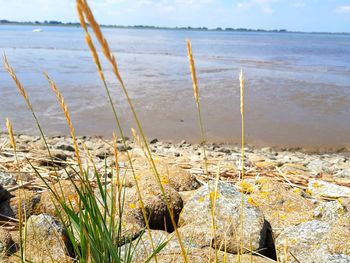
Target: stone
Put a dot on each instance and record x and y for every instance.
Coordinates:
(196, 219)
(6, 179)
(321, 188)
(59, 158)
(153, 141)
(132, 219)
(142, 247)
(155, 204)
(4, 194)
(7, 246)
(329, 211)
(65, 147)
(66, 191)
(315, 241)
(338, 238)
(282, 206)
(28, 200)
(47, 239)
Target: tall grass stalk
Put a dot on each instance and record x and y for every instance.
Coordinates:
(85, 14)
(12, 138)
(241, 84)
(212, 194)
(64, 108)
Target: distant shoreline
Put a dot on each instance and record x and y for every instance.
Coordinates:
(218, 29)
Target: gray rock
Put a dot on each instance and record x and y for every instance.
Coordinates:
(196, 219)
(329, 211)
(6, 243)
(65, 147)
(304, 241)
(325, 189)
(6, 179)
(142, 248)
(47, 239)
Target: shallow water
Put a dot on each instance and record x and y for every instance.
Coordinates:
(297, 85)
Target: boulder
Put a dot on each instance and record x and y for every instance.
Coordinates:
(282, 206)
(6, 179)
(47, 240)
(196, 220)
(315, 241)
(320, 188)
(67, 193)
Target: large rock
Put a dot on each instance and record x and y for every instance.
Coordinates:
(4, 194)
(196, 219)
(28, 202)
(282, 206)
(329, 211)
(132, 220)
(47, 240)
(314, 241)
(157, 205)
(320, 188)
(142, 250)
(6, 243)
(175, 177)
(67, 193)
(6, 179)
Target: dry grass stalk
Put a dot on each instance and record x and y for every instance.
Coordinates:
(241, 84)
(13, 75)
(85, 11)
(11, 137)
(193, 72)
(68, 119)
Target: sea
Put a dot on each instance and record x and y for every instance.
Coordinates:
(297, 85)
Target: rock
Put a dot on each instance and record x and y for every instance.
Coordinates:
(68, 194)
(171, 253)
(29, 201)
(59, 158)
(338, 238)
(282, 206)
(65, 147)
(153, 141)
(6, 179)
(103, 153)
(318, 166)
(196, 219)
(122, 148)
(329, 211)
(4, 194)
(173, 176)
(329, 190)
(47, 240)
(142, 247)
(315, 241)
(155, 204)
(206, 255)
(132, 219)
(7, 245)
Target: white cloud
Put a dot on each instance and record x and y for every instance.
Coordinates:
(298, 4)
(264, 5)
(343, 9)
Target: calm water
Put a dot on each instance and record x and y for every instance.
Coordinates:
(297, 85)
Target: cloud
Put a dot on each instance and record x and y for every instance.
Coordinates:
(264, 5)
(298, 4)
(343, 9)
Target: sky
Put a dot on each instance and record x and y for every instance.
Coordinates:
(293, 15)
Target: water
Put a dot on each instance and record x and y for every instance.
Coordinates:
(297, 85)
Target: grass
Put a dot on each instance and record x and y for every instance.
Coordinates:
(96, 230)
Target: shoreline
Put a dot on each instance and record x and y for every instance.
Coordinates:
(341, 150)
